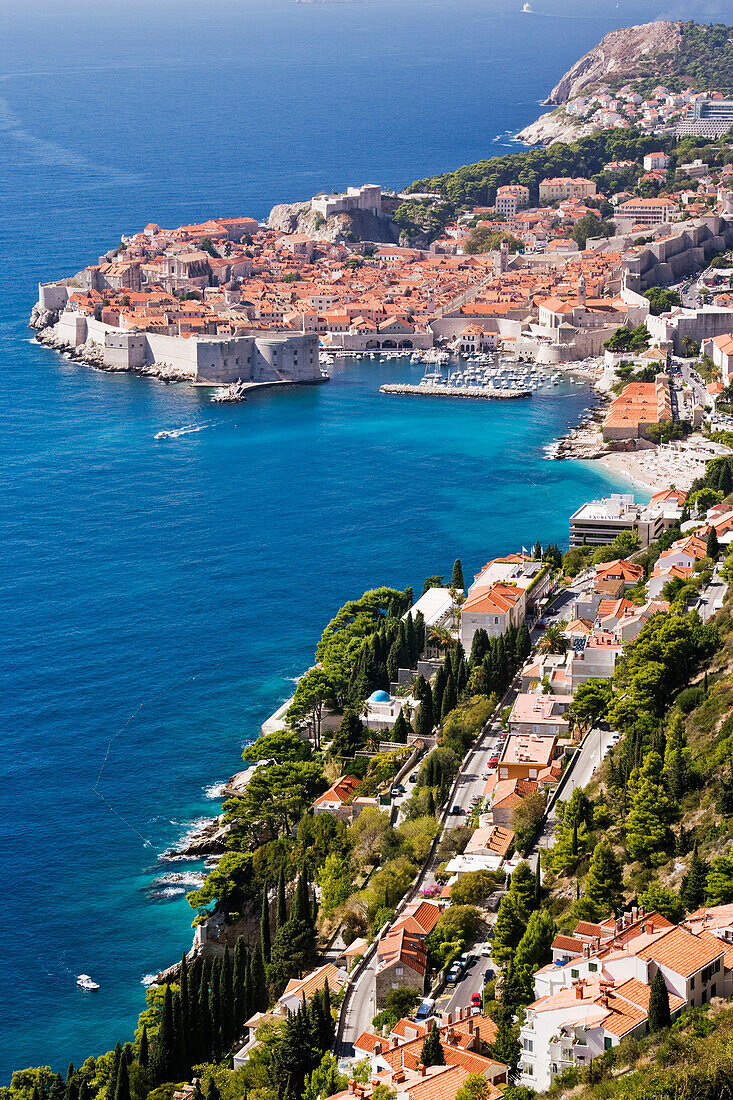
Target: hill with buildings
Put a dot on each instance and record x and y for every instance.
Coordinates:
(646, 67)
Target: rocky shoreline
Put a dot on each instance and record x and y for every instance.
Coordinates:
(586, 440)
(91, 354)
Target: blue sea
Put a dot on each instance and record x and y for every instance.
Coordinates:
(159, 597)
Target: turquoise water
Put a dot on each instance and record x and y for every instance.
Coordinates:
(158, 597)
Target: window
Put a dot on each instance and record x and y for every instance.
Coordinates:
(574, 973)
(593, 967)
(713, 990)
(692, 982)
(528, 1070)
(528, 1045)
(607, 1043)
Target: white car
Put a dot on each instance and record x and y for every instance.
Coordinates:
(485, 950)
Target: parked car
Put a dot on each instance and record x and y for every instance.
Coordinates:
(456, 810)
(493, 761)
(425, 1010)
(454, 973)
(475, 1000)
(488, 975)
(413, 777)
(486, 950)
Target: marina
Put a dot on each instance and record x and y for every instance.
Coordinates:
(479, 377)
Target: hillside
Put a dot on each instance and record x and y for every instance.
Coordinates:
(680, 55)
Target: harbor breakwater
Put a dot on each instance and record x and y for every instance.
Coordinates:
(474, 392)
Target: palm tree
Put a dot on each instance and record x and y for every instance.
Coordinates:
(439, 637)
(553, 640)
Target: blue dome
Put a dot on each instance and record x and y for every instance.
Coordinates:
(379, 696)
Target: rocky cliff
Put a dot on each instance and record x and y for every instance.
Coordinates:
(298, 217)
(619, 53)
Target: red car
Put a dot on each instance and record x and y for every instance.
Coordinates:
(475, 1000)
(493, 761)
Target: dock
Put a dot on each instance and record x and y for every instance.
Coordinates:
(489, 393)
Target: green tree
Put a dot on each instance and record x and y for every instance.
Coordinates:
(591, 226)
(661, 300)
(603, 886)
(432, 1051)
(590, 702)
(313, 694)
(265, 926)
(508, 930)
(456, 580)
(659, 1014)
(521, 890)
(533, 951)
(475, 1087)
(335, 880)
(713, 546)
(658, 899)
(648, 836)
(401, 729)
(281, 745)
(719, 881)
(505, 1047)
(350, 735)
(692, 888)
(325, 1080)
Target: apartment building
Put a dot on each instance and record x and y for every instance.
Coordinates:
(566, 187)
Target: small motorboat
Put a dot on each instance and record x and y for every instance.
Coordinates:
(85, 982)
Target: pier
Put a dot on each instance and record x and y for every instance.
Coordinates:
(490, 393)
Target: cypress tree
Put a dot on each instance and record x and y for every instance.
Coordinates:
(203, 1042)
(122, 1091)
(659, 1014)
(327, 1017)
(411, 639)
(432, 1051)
(227, 1000)
(712, 548)
(185, 999)
(240, 973)
(425, 717)
(215, 1010)
(258, 983)
(456, 580)
(212, 1092)
(282, 911)
(178, 1057)
(692, 888)
(69, 1072)
(116, 1059)
(400, 729)
(164, 1040)
(144, 1055)
(438, 689)
(249, 988)
(419, 635)
(430, 806)
(449, 699)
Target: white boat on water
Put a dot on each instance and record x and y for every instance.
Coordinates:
(85, 982)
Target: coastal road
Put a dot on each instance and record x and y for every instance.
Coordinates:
(711, 598)
(361, 1008)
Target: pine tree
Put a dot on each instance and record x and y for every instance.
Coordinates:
(537, 551)
(456, 580)
(505, 1047)
(144, 1055)
(282, 911)
(603, 887)
(647, 828)
(521, 890)
(712, 548)
(659, 1014)
(533, 951)
(507, 930)
(432, 1052)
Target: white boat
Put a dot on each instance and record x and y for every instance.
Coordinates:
(85, 982)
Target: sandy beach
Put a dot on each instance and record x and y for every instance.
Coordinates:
(656, 468)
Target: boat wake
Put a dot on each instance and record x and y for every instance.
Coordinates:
(175, 433)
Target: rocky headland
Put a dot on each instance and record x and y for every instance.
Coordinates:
(358, 225)
(619, 53)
